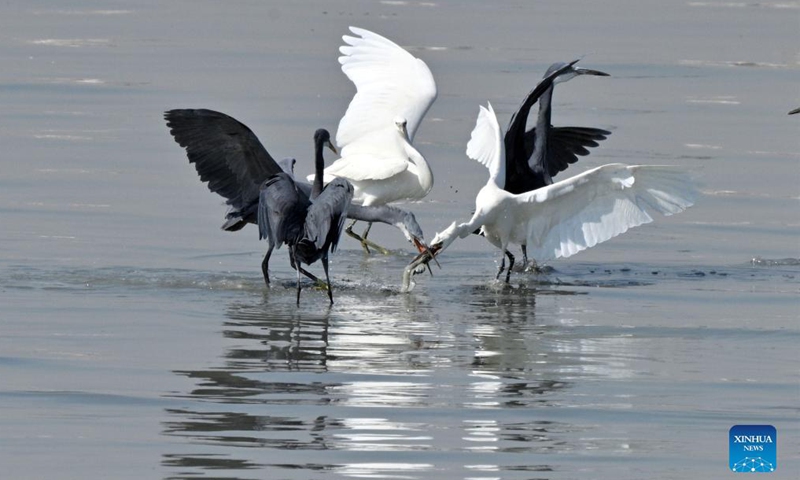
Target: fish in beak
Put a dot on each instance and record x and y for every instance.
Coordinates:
(415, 266)
(425, 252)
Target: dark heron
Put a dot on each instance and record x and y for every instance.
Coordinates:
(230, 158)
(535, 156)
(309, 226)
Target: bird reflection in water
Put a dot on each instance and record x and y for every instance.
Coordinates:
(293, 382)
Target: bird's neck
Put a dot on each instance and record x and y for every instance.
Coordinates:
(497, 167)
(543, 124)
(319, 167)
(422, 169)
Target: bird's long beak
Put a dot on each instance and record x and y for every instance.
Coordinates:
(424, 250)
(426, 255)
(333, 149)
(586, 71)
(796, 110)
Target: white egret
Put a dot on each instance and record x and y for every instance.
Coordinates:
(394, 90)
(566, 217)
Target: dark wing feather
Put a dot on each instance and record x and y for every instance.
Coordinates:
(327, 214)
(565, 145)
(282, 210)
(516, 157)
(225, 153)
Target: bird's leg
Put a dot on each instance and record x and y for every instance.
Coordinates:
(502, 267)
(308, 274)
(349, 231)
(366, 244)
(369, 243)
(510, 265)
(327, 278)
(317, 281)
(298, 276)
(265, 263)
(524, 257)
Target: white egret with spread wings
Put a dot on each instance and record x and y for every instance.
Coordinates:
(566, 217)
(394, 90)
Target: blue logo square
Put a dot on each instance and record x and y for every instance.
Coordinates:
(753, 448)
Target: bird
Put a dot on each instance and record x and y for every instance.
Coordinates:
(535, 156)
(230, 158)
(565, 217)
(394, 90)
(309, 226)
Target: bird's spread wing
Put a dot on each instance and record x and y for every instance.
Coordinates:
(225, 153)
(327, 214)
(485, 144)
(516, 153)
(281, 210)
(564, 146)
(390, 83)
(572, 215)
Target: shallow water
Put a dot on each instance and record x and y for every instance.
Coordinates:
(137, 339)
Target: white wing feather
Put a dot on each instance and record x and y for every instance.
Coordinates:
(569, 216)
(486, 142)
(390, 83)
(359, 167)
(376, 156)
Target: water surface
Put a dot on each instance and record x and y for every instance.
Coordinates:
(137, 340)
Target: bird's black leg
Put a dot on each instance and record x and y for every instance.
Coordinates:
(265, 263)
(311, 276)
(524, 257)
(297, 263)
(510, 265)
(327, 278)
(502, 267)
(305, 272)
